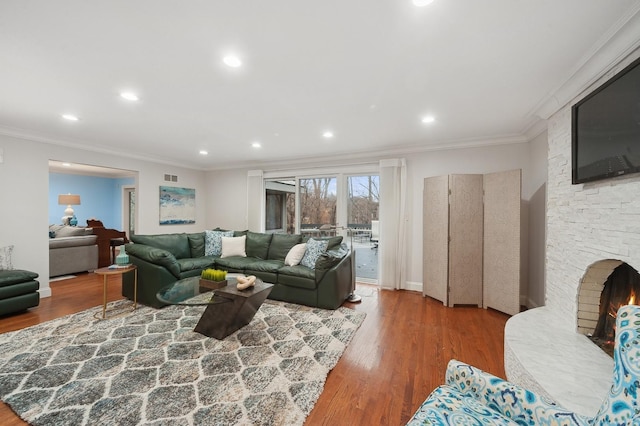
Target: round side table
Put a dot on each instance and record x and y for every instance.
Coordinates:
(106, 271)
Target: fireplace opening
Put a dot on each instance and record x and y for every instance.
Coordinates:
(620, 288)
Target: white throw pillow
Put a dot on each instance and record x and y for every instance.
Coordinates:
(295, 254)
(234, 246)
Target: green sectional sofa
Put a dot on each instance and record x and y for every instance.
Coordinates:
(163, 259)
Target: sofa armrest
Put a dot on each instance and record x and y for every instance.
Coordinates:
(156, 256)
(328, 260)
(510, 400)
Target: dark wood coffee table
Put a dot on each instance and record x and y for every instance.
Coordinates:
(228, 310)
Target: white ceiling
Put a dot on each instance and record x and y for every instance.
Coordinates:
(367, 70)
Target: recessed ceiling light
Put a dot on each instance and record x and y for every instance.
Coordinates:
(422, 3)
(232, 61)
(204, 152)
(256, 145)
(70, 117)
(328, 134)
(428, 119)
(130, 96)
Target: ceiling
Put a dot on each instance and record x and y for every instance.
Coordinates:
(367, 71)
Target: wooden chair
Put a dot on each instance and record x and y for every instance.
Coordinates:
(108, 240)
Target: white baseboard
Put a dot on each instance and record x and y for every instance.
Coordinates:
(413, 286)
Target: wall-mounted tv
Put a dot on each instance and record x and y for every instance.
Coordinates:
(605, 129)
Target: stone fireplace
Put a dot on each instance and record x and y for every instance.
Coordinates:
(592, 228)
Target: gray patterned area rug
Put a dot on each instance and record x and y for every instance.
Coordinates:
(150, 367)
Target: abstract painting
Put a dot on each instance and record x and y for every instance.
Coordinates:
(177, 205)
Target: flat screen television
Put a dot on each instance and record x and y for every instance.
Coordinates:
(605, 129)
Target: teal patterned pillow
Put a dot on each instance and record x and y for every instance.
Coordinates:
(213, 242)
(314, 250)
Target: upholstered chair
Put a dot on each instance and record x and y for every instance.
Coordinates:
(472, 396)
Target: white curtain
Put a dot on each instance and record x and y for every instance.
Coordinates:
(255, 201)
(393, 223)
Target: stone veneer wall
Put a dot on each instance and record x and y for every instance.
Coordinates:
(586, 223)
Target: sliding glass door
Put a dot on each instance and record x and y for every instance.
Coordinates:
(321, 206)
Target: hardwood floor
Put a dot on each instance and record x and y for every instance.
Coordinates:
(397, 357)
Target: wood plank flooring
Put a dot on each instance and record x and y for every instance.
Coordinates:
(397, 357)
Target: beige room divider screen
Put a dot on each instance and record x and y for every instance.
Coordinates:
(435, 239)
(471, 242)
(502, 211)
(465, 240)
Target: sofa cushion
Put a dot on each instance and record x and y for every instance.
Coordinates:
(264, 265)
(314, 250)
(213, 242)
(281, 244)
(195, 263)
(258, 244)
(69, 231)
(196, 244)
(85, 240)
(235, 262)
(176, 244)
(9, 277)
(297, 276)
(18, 289)
(234, 246)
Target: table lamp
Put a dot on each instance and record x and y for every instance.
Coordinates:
(69, 200)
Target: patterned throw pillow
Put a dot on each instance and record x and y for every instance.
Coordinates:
(213, 242)
(314, 250)
(5, 258)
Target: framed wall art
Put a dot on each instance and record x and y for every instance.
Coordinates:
(177, 205)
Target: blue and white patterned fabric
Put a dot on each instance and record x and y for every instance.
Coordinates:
(621, 407)
(314, 250)
(474, 397)
(213, 242)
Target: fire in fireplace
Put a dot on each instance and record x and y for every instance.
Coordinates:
(620, 288)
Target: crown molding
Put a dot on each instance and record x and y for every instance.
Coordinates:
(369, 156)
(33, 137)
(622, 39)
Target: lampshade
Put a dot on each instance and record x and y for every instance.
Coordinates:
(69, 199)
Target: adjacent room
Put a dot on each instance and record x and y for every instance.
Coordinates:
(309, 213)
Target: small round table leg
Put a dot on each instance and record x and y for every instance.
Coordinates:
(104, 298)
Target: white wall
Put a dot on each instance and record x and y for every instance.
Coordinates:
(228, 194)
(537, 209)
(221, 196)
(25, 185)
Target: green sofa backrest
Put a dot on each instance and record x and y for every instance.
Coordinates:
(176, 244)
(281, 244)
(257, 245)
(196, 244)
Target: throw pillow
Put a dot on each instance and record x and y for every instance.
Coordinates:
(295, 254)
(5, 258)
(234, 246)
(314, 250)
(213, 242)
